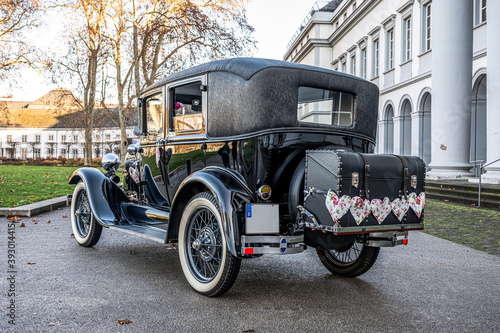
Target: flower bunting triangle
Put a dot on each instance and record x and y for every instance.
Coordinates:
(361, 208)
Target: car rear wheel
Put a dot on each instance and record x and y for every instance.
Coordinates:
(86, 229)
(351, 260)
(207, 264)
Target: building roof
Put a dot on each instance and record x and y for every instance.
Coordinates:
(331, 6)
(57, 109)
(57, 98)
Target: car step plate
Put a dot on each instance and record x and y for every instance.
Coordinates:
(152, 233)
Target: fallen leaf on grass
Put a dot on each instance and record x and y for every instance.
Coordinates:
(123, 321)
(32, 263)
(22, 225)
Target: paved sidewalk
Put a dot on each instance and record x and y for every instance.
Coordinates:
(430, 285)
(36, 207)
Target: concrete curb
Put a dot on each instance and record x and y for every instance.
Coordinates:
(36, 208)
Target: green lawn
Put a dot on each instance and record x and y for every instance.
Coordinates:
(23, 184)
(469, 226)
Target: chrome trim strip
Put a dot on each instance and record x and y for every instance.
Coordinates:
(271, 239)
(190, 137)
(320, 130)
(275, 250)
(158, 215)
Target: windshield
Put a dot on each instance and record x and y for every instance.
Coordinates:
(154, 109)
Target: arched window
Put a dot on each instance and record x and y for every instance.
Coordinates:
(425, 129)
(478, 120)
(389, 130)
(406, 128)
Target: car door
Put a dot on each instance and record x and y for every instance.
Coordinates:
(152, 140)
(186, 139)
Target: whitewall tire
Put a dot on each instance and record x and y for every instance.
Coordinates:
(207, 264)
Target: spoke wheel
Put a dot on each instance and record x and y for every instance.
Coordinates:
(351, 260)
(85, 227)
(207, 264)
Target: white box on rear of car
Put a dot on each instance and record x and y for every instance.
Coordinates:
(262, 219)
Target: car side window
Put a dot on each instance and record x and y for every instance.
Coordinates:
(323, 106)
(185, 109)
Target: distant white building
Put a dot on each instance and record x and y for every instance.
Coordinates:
(52, 127)
(429, 60)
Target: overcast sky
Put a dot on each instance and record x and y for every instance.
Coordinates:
(275, 22)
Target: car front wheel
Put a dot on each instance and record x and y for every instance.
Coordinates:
(86, 229)
(207, 264)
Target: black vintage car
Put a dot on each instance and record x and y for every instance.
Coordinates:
(244, 157)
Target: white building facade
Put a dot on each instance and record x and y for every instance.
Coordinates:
(429, 60)
(52, 143)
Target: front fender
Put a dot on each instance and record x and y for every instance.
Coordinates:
(225, 185)
(95, 181)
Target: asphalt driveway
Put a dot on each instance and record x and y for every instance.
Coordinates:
(431, 285)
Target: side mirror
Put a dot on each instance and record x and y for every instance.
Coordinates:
(132, 150)
(137, 131)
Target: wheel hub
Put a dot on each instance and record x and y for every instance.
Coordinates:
(196, 245)
(206, 240)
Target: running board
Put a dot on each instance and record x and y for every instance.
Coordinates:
(152, 233)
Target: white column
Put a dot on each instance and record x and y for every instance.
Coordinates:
(416, 128)
(451, 88)
(382, 124)
(493, 96)
(398, 131)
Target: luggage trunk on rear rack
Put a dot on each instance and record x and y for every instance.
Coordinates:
(348, 193)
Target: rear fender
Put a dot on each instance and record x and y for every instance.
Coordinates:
(96, 183)
(228, 189)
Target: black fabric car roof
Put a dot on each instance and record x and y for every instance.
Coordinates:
(243, 67)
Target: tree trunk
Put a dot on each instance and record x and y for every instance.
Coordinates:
(89, 105)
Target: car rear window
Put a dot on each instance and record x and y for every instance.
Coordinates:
(323, 106)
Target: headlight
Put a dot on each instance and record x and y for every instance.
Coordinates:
(110, 162)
